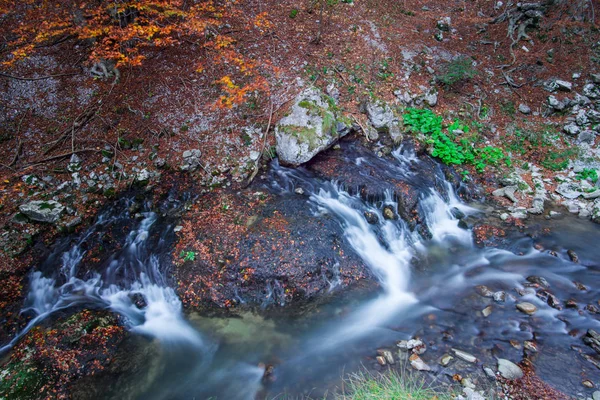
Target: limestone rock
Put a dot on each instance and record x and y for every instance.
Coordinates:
(509, 370)
(527, 308)
(43, 211)
(310, 127)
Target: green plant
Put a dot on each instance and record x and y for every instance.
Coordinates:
(403, 385)
(458, 70)
(293, 13)
(422, 120)
(188, 255)
(559, 160)
(588, 173)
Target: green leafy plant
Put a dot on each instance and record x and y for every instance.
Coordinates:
(559, 160)
(458, 70)
(293, 13)
(188, 255)
(587, 173)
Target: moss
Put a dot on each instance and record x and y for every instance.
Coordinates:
(308, 135)
(328, 123)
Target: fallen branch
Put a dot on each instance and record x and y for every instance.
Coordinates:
(63, 155)
(256, 166)
(16, 157)
(362, 128)
(80, 121)
(20, 78)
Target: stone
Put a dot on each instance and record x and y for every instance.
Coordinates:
(588, 384)
(509, 370)
(431, 99)
(464, 356)
(590, 90)
(568, 190)
(445, 360)
(380, 114)
(573, 256)
(555, 104)
(526, 308)
(564, 85)
(417, 363)
(489, 373)
(484, 291)
(596, 395)
(524, 109)
(499, 297)
(371, 217)
(530, 346)
(387, 355)
(487, 311)
(380, 360)
(299, 191)
(508, 192)
(143, 175)
(42, 211)
(444, 24)
(191, 160)
(388, 213)
(539, 281)
(416, 346)
(308, 128)
(595, 79)
(571, 129)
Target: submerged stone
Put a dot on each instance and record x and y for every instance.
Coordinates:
(509, 370)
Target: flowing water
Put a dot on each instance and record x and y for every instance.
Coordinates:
(427, 288)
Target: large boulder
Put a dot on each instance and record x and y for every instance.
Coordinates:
(311, 126)
(42, 211)
(382, 117)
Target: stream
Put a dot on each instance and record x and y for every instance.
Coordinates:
(427, 287)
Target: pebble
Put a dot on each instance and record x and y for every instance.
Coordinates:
(596, 395)
(489, 372)
(484, 291)
(500, 296)
(487, 311)
(418, 364)
(380, 360)
(445, 360)
(299, 191)
(509, 370)
(573, 256)
(527, 308)
(465, 356)
(387, 355)
(588, 384)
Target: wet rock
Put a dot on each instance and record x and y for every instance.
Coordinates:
(43, 211)
(592, 309)
(524, 109)
(588, 384)
(580, 286)
(387, 355)
(526, 308)
(592, 339)
(388, 213)
(381, 360)
(456, 213)
(571, 303)
(309, 128)
(509, 370)
(465, 356)
(417, 363)
(530, 346)
(484, 291)
(138, 300)
(415, 346)
(489, 373)
(549, 298)
(568, 190)
(596, 395)
(573, 256)
(445, 360)
(539, 281)
(371, 217)
(499, 297)
(487, 311)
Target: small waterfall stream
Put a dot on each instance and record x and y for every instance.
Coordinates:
(431, 270)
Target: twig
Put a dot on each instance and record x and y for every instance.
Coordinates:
(63, 155)
(16, 157)
(362, 128)
(256, 166)
(20, 78)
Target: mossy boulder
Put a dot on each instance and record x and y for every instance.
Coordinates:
(313, 124)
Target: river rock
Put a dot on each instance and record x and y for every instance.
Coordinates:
(564, 85)
(500, 296)
(43, 211)
(538, 280)
(309, 127)
(445, 360)
(484, 291)
(463, 355)
(573, 256)
(380, 360)
(592, 339)
(509, 370)
(387, 355)
(596, 395)
(588, 384)
(388, 213)
(417, 363)
(527, 308)
(371, 217)
(487, 311)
